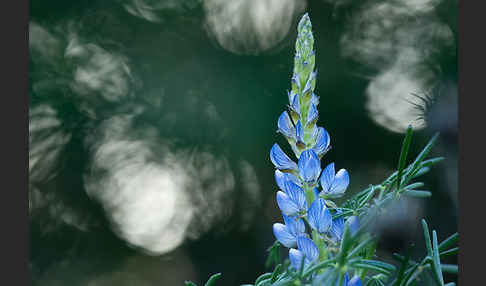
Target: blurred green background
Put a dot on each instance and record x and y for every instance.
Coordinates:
(151, 121)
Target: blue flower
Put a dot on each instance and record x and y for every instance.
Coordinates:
(299, 133)
(287, 233)
(355, 281)
(295, 107)
(281, 178)
(295, 257)
(319, 216)
(315, 99)
(307, 250)
(337, 227)
(312, 115)
(309, 166)
(322, 142)
(308, 85)
(334, 184)
(292, 201)
(345, 280)
(295, 81)
(291, 96)
(285, 125)
(281, 160)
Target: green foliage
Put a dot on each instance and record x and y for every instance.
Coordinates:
(357, 251)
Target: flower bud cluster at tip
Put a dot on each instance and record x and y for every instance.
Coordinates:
(305, 187)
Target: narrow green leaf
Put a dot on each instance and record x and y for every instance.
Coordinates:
(381, 264)
(449, 268)
(262, 277)
(318, 266)
(417, 193)
(425, 151)
(366, 199)
(403, 155)
(436, 259)
(264, 282)
(450, 284)
(284, 281)
(329, 277)
(428, 244)
(410, 275)
(372, 267)
(360, 246)
(418, 173)
(433, 161)
(346, 243)
(403, 267)
(274, 254)
(189, 283)
(212, 279)
(448, 242)
(414, 186)
(452, 251)
(276, 272)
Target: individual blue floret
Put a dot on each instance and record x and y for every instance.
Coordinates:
(312, 115)
(355, 281)
(299, 134)
(337, 227)
(307, 250)
(309, 166)
(281, 160)
(315, 99)
(282, 177)
(295, 105)
(319, 216)
(323, 142)
(292, 201)
(287, 233)
(338, 224)
(285, 125)
(345, 280)
(334, 184)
